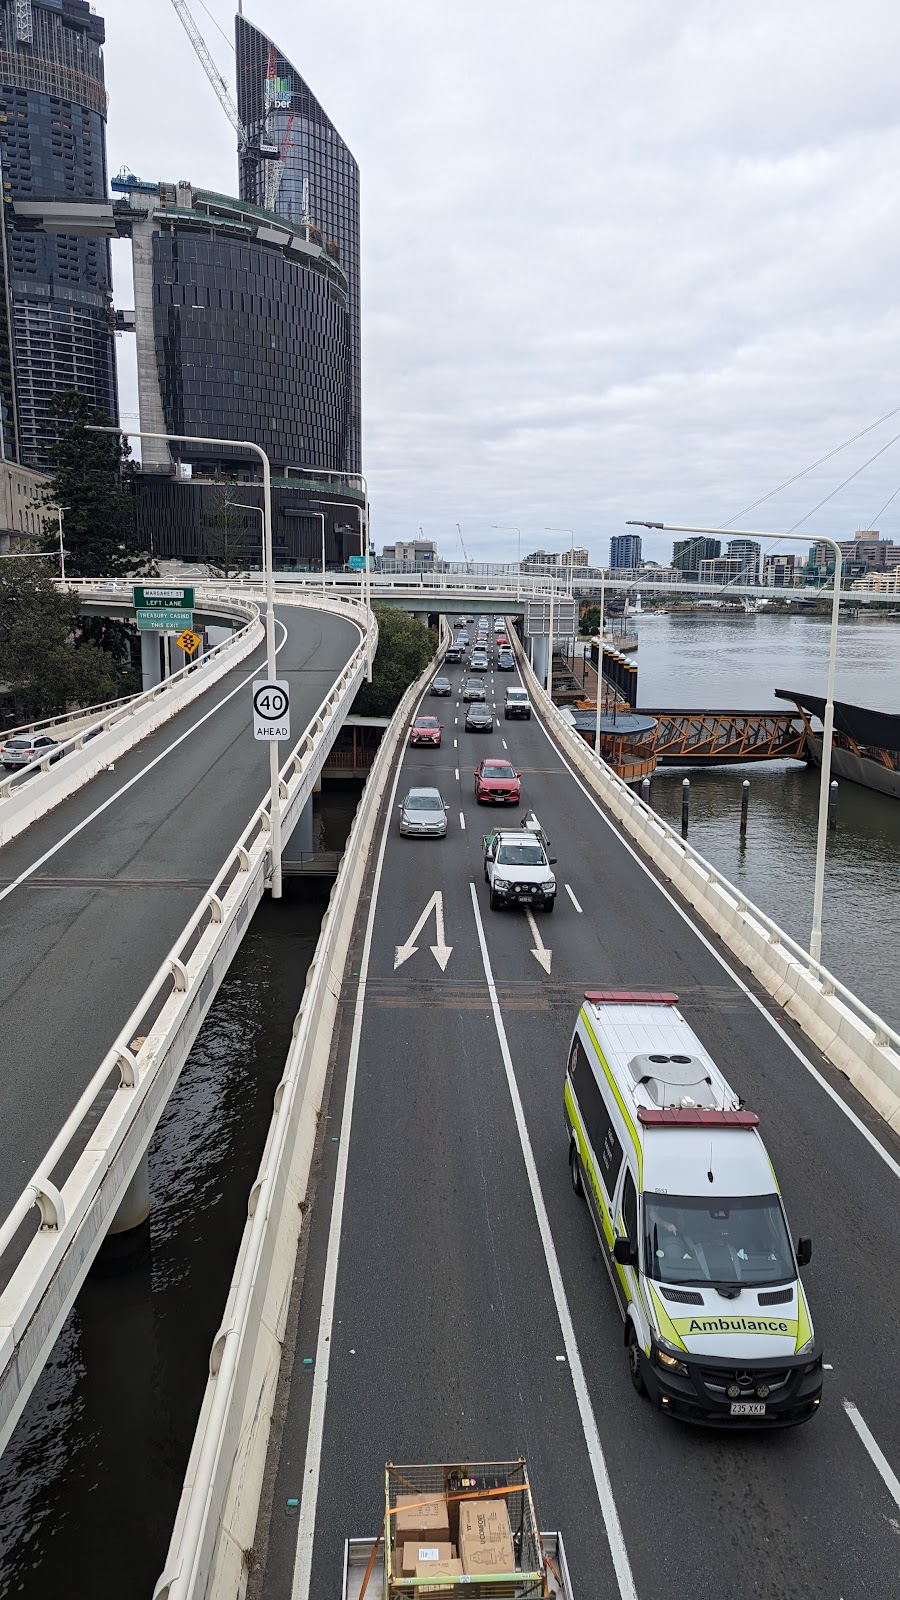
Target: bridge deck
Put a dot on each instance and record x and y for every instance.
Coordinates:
(446, 1339)
(94, 894)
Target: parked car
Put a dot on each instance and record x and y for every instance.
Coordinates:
(426, 730)
(479, 718)
(423, 812)
(23, 748)
(497, 783)
(473, 689)
(442, 686)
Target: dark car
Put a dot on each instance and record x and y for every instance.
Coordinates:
(442, 686)
(474, 689)
(479, 719)
(506, 661)
(426, 730)
(497, 783)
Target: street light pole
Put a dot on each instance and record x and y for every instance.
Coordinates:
(336, 472)
(815, 938)
(600, 695)
(271, 664)
(510, 527)
(62, 553)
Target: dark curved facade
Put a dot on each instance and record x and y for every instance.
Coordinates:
(320, 181)
(248, 334)
(59, 287)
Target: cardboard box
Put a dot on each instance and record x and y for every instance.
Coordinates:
(451, 1568)
(422, 1518)
(418, 1552)
(485, 1539)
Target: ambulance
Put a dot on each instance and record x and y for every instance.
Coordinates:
(690, 1220)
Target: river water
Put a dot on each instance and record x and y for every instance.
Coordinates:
(714, 661)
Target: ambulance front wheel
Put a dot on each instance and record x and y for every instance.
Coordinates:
(634, 1361)
(574, 1169)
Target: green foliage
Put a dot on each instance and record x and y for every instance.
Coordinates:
(405, 648)
(92, 481)
(48, 665)
(589, 619)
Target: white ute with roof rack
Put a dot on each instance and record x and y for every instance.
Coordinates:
(690, 1219)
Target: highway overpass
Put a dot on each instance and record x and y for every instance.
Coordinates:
(94, 897)
(453, 1302)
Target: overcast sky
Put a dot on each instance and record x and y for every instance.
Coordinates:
(620, 258)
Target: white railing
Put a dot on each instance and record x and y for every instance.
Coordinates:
(128, 707)
(219, 1503)
(108, 1130)
(847, 1030)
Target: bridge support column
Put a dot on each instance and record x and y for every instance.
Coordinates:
(301, 842)
(151, 672)
(541, 646)
(128, 1233)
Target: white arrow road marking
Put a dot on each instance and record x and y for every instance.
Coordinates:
(541, 953)
(440, 951)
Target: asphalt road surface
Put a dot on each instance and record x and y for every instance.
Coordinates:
(82, 935)
(450, 1336)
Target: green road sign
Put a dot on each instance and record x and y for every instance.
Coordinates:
(162, 597)
(170, 621)
(357, 563)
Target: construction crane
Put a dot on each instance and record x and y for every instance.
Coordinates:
(262, 147)
(275, 169)
(464, 550)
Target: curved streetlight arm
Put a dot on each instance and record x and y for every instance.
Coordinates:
(815, 938)
(271, 664)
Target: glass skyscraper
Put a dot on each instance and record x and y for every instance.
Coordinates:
(317, 185)
(55, 313)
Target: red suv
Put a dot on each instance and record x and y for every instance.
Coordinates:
(426, 730)
(497, 782)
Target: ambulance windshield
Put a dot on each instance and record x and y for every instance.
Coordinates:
(741, 1241)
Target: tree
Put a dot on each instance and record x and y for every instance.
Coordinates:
(405, 648)
(47, 665)
(92, 481)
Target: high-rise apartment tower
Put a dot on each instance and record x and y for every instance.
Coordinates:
(316, 183)
(56, 297)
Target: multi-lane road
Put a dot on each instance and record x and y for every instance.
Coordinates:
(454, 1304)
(94, 894)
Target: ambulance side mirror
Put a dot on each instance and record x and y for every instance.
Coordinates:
(625, 1253)
(804, 1252)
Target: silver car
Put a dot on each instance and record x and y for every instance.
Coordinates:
(423, 813)
(24, 748)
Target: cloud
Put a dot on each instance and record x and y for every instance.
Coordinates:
(617, 260)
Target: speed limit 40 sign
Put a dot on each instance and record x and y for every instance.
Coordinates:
(271, 709)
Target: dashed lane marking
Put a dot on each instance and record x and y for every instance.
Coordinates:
(573, 900)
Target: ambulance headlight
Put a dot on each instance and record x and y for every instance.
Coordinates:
(668, 1360)
(806, 1348)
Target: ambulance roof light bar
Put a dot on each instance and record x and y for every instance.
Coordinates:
(631, 997)
(696, 1117)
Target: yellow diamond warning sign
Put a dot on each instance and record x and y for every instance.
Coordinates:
(188, 642)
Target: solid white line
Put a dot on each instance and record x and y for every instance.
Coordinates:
(582, 1396)
(795, 1050)
(306, 1525)
(99, 810)
(462, 822)
(573, 900)
(889, 1477)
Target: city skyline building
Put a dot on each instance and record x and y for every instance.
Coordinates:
(56, 325)
(687, 555)
(625, 551)
(747, 553)
(241, 329)
(314, 184)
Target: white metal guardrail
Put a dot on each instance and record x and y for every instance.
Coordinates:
(219, 1504)
(29, 792)
(846, 1030)
(80, 1182)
